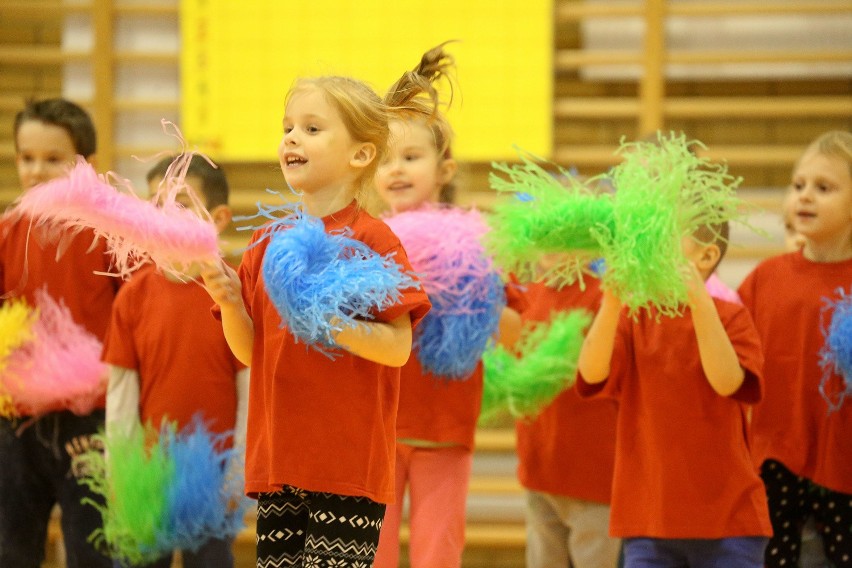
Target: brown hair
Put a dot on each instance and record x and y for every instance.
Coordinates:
(414, 98)
(66, 115)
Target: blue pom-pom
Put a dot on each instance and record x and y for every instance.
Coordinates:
(321, 283)
(836, 353)
(449, 341)
(200, 502)
(444, 246)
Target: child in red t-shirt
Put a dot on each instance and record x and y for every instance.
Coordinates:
(437, 416)
(36, 451)
(803, 449)
(566, 456)
(685, 492)
(168, 356)
(320, 444)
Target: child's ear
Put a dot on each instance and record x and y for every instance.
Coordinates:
(364, 154)
(709, 258)
(447, 170)
(221, 215)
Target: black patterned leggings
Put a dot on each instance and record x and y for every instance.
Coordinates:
(792, 499)
(316, 530)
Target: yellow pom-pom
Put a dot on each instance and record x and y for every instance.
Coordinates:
(16, 322)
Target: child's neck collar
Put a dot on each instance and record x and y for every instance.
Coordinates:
(827, 252)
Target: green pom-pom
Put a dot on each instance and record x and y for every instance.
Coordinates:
(664, 192)
(546, 213)
(132, 478)
(546, 366)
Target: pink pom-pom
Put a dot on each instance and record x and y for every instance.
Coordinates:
(135, 229)
(718, 289)
(444, 246)
(60, 368)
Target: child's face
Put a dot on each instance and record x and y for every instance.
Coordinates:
(413, 173)
(191, 183)
(44, 152)
(792, 240)
(316, 150)
(821, 199)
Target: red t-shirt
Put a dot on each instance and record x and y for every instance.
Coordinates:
(682, 462)
(792, 423)
(568, 449)
(316, 423)
(164, 331)
(440, 410)
(66, 267)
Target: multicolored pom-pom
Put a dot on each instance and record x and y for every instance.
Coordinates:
(321, 283)
(135, 230)
(836, 354)
(547, 364)
(173, 494)
(444, 247)
(59, 367)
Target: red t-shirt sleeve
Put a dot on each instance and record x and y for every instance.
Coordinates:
(118, 345)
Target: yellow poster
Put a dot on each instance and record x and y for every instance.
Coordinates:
(238, 60)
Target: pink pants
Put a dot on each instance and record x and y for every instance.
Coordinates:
(438, 480)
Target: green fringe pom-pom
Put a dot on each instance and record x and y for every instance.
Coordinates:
(547, 364)
(663, 192)
(134, 492)
(546, 212)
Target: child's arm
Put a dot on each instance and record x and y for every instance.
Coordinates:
(224, 287)
(596, 353)
(122, 402)
(384, 343)
(509, 328)
(718, 357)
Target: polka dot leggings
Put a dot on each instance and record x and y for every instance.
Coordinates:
(792, 499)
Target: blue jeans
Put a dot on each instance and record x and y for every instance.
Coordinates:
(215, 553)
(735, 552)
(35, 474)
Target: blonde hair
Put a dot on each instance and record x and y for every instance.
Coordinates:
(414, 98)
(362, 112)
(365, 114)
(835, 144)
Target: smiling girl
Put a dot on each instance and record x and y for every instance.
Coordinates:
(804, 451)
(321, 431)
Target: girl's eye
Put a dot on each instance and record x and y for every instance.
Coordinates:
(797, 186)
(312, 129)
(288, 129)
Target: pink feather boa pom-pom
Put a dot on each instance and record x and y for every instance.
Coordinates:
(444, 246)
(59, 368)
(135, 229)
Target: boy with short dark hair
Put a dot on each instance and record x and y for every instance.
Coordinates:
(685, 492)
(36, 451)
(167, 353)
